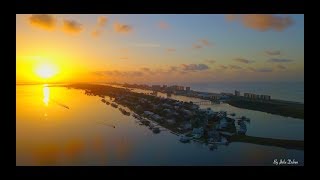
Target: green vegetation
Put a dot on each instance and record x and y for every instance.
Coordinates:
(283, 108)
(288, 144)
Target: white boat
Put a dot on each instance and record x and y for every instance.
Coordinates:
(184, 139)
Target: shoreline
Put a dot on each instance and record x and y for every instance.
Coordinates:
(277, 107)
(150, 116)
(274, 106)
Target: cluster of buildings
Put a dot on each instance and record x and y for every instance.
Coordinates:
(253, 96)
(184, 118)
(165, 88)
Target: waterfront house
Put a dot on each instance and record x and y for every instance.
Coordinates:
(214, 135)
(223, 123)
(187, 112)
(156, 117)
(187, 126)
(198, 132)
(188, 89)
(171, 121)
(148, 113)
(237, 93)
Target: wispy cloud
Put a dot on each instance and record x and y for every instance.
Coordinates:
(236, 67)
(223, 67)
(72, 26)
(251, 69)
(280, 60)
(194, 67)
(260, 69)
(122, 28)
(146, 45)
(171, 49)
(101, 22)
(43, 21)
(201, 43)
(210, 61)
(148, 71)
(264, 70)
(163, 25)
(242, 60)
(205, 42)
(119, 73)
(273, 53)
(124, 58)
(263, 22)
(197, 46)
(281, 67)
(145, 69)
(96, 33)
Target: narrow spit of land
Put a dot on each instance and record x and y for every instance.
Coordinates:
(273, 106)
(184, 112)
(279, 107)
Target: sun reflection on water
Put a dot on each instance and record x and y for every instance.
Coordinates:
(46, 95)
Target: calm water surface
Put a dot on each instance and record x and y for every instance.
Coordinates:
(93, 133)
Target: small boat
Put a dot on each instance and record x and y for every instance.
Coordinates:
(124, 112)
(184, 139)
(213, 147)
(114, 105)
(156, 130)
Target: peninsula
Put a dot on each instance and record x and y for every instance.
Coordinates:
(185, 119)
(251, 101)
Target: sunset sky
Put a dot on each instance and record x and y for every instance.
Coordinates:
(159, 48)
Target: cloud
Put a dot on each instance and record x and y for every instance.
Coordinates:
(251, 69)
(173, 69)
(210, 61)
(235, 67)
(231, 17)
(205, 42)
(281, 67)
(43, 21)
(171, 49)
(273, 53)
(197, 46)
(96, 33)
(264, 70)
(263, 22)
(145, 69)
(72, 27)
(102, 21)
(119, 73)
(122, 28)
(124, 58)
(223, 67)
(148, 71)
(260, 69)
(148, 45)
(242, 60)
(163, 25)
(280, 60)
(194, 67)
(201, 43)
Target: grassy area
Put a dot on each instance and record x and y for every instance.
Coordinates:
(283, 108)
(288, 144)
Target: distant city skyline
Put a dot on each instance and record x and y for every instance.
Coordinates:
(159, 48)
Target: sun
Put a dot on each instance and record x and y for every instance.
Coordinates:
(46, 70)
